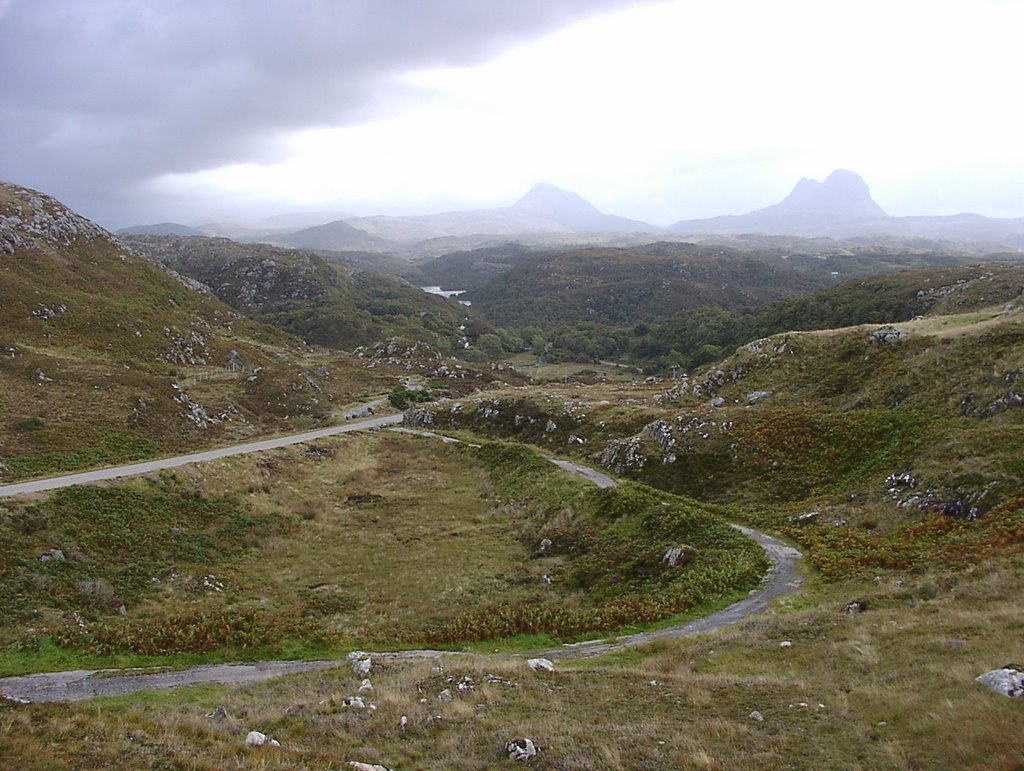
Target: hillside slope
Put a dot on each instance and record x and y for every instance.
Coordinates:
(626, 286)
(301, 292)
(105, 357)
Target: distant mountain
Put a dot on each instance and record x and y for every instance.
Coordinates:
(841, 207)
(336, 236)
(841, 203)
(843, 195)
(545, 209)
(160, 229)
(573, 212)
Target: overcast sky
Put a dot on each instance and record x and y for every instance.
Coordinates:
(138, 111)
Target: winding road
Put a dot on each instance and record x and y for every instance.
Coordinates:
(782, 578)
(149, 466)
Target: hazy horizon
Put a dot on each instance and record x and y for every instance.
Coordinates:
(658, 111)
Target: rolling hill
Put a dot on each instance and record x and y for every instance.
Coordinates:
(322, 302)
(106, 357)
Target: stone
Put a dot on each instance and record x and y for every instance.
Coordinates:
(679, 555)
(256, 739)
(545, 544)
(855, 607)
(366, 766)
(521, 749)
(445, 696)
(755, 715)
(53, 555)
(538, 665)
(1008, 681)
(365, 687)
(361, 663)
(785, 644)
(218, 714)
(718, 402)
(354, 702)
(804, 519)
(757, 396)
(887, 335)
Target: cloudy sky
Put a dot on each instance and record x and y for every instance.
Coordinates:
(138, 111)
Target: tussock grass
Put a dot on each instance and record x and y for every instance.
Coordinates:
(909, 664)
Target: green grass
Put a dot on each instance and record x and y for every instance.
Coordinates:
(306, 553)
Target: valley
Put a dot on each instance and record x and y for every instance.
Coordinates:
(858, 403)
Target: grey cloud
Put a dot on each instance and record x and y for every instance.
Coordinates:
(98, 96)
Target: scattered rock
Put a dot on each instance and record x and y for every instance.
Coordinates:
(366, 766)
(887, 335)
(218, 714)
(804, 519)
(757, 396)
(755, 715)
(354, 702)
(544, 545)
(855, 607)
(521, 749)
(538, 665)
(1008, 681)
(53, 555)
(785, 644)
(365, 687)
(718, 402)
(679, 555)
(445, 696)
(258, 739)
(361, 663)
(418, 417)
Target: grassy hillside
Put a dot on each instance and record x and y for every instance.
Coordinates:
(105, 357)
(299, 291)
(698, 337)
(469, 269)
(883, 438)
(318, 549)
(871, 666)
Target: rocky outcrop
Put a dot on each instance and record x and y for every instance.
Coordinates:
(888, 335)
(43, 220)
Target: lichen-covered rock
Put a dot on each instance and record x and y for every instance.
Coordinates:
(1008, 680)
(679, 555)
(757, 396)
(361, 663)
(622, 454)
(887, 335)
(418, 417)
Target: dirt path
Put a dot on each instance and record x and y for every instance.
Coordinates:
(782, 578)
